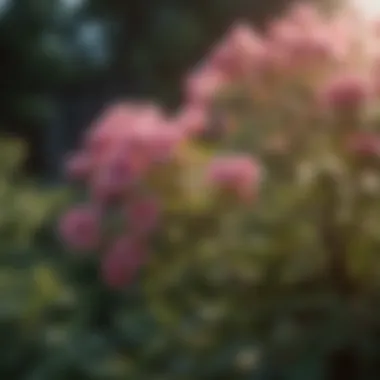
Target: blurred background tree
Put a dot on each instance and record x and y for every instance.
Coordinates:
(47, 46)
(63, 59)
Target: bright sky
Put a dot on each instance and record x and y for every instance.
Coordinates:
(4, 5)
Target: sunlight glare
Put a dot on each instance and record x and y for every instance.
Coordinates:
(370, 9)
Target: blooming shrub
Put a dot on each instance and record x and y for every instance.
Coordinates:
(266, 181)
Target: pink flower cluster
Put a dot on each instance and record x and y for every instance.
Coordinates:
(302, 45)
(119, 155)
(335, 59)
(336, 64)
(120, 151)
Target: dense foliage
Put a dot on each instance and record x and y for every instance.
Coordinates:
(27, 281)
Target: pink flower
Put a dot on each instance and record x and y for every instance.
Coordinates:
(346, 91)
(238, 174)
(122, 262)
(163, 144)
(80, 228)
(192, 119)
(343, 36)
(238, 53)
(203, 85)
(304, 14)
(113, 124)
(78, 166)
(313, 46)
(364, 144)
(118, 126)
(302, 47)
(116, 175)
(143, 215)
(150, 133)
(125, 144)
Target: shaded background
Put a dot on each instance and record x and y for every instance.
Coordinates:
(62, 60)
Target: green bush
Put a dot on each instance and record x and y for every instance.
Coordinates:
(289, 280)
